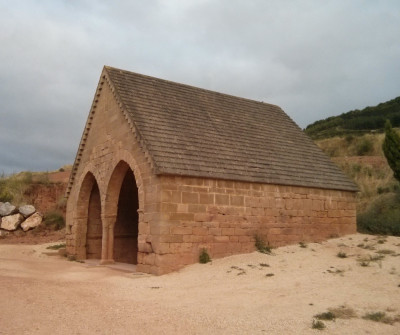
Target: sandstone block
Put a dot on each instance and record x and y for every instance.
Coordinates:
(32, 222)
(190, 198)
(11, 222)
(222, 199)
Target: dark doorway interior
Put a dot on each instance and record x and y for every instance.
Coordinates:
(94, 229)
(126, 226)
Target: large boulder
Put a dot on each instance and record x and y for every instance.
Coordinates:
(7, 209)
(27, 210)
(32, 222)
(11, 222)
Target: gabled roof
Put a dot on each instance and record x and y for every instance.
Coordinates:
(191, 131)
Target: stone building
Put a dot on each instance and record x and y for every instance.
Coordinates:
(164, 170)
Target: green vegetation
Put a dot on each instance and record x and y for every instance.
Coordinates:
(13, 188)
(325, 316)
(317, 324)
(381, 317)
(357, 122)
(261, 246)
(343, 312)
(56, 246)
(54, 219)
(204, 257)
(382, 216)
(391, 148)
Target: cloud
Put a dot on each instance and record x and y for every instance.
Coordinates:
(314, 59)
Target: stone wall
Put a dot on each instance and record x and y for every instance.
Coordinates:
(224, 217)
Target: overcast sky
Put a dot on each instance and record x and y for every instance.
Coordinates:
(313, 58)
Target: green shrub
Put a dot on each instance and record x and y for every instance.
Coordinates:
(56, 246)
(54, 219)
(317, 324)
(325, 316)
(382, 216)
(204, 257)
(261, 246)
(364, 147)
(6, 196)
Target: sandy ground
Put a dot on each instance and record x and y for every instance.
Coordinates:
(41, 293)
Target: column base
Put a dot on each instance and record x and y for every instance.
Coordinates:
(107, 261)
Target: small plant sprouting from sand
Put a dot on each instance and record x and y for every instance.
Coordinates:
(204, 257)
(336, 271)
(56, 246)
(264, 265)
(365, 261)
(240, 270)
(385, 252)
(269, 275)
(341, 254)
(329, 316)
(343, 312)
(381, 317)
(318, 324)
(303, 245)
(261, 246)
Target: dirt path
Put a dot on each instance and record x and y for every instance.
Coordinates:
(42, 294)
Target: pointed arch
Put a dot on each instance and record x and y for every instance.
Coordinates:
(88, 219)
(121, 217)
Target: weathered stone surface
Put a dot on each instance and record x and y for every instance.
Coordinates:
(11, 222)
(27, 210)
(7, 209)
(32, 222)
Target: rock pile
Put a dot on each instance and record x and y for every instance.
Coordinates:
(23, 218)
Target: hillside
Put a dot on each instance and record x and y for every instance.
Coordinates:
(357, 122)
(362, 159)
(44, 190)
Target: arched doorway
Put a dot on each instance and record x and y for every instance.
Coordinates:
(94, 226)
(88, 219)
(126, 225)
(123, 205)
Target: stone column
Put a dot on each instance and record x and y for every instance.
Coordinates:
(107, 244)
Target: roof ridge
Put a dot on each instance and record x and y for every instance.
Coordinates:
(192, 86)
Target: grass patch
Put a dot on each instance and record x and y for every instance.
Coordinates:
(329, 316)
(381, 317)
(56, 246)
(54, 219)
(204, 257)
(341, 254)
(261, 246)
(318, 324)
(365, 261)
(385, 252)
(264, 265)
(343, 312)
(303, 245)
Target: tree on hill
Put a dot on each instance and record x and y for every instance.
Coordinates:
(391, 149)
